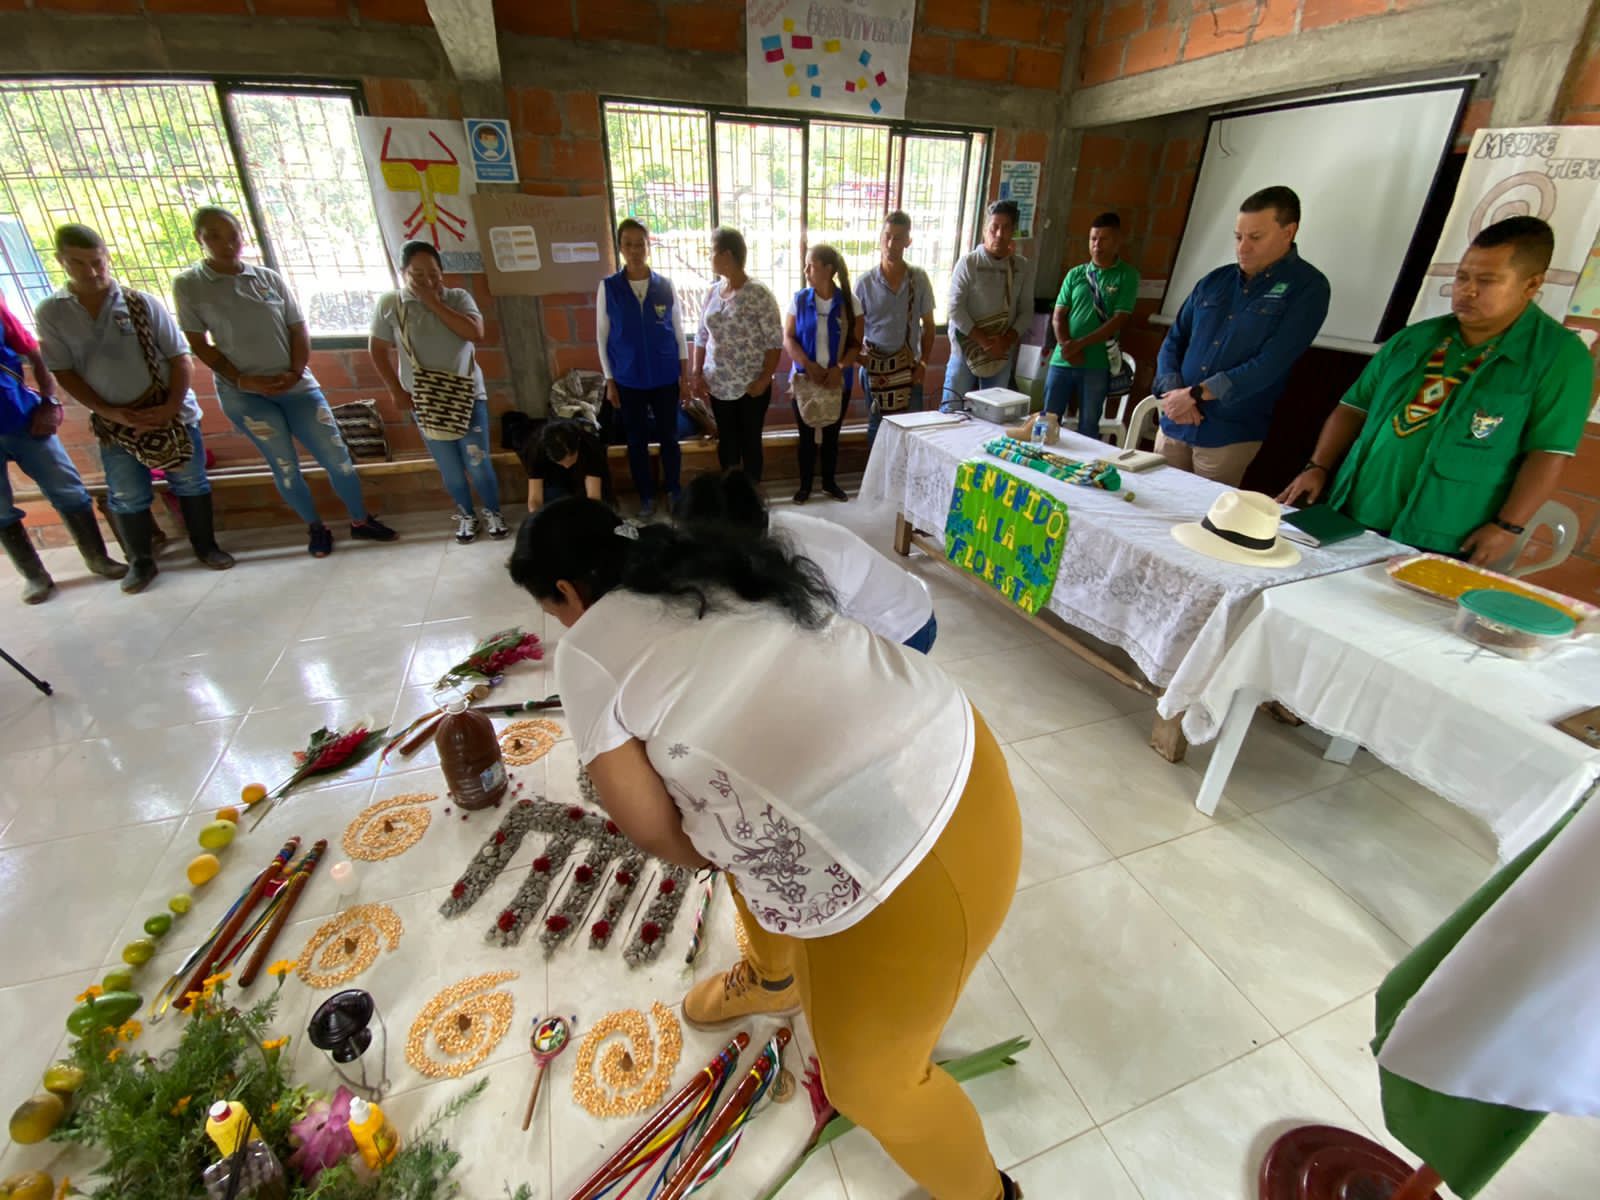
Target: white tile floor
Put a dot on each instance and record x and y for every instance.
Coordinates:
(1192, 986)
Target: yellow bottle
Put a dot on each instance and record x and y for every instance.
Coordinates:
(375, 1138)
(227, 1124)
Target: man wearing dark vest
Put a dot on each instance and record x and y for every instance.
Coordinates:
(639, 326)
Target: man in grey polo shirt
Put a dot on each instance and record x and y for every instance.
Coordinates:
(244, 323)
(892, 300)
(110, 348)
(991, 307)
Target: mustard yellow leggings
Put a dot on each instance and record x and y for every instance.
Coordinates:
(878, 995)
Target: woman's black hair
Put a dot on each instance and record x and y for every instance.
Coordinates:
(411, 249)
(577, 540)
(732, 241)
(209, 212)
(561, 437)
(727, 501)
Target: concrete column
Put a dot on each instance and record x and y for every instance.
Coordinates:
(1547, 42)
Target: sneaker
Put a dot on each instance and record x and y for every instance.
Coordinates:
(466, 527)
(495, 525)
(740, 993)
(372, 530)
(321, 542)
(802, 495)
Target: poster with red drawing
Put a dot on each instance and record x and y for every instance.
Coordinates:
(830, 56)
(422, 186)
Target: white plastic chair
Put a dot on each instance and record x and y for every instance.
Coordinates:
(1145, 421)
(1111, 423)
(1030, 374)
(1563, 523)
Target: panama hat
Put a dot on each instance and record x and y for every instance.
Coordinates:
(1242, 527)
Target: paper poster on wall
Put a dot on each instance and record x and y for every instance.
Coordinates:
(1019, 181)
(540, 245)
(494, 158)
(830, 56)
(1551, 172)
(1583, 310)
(421, 187)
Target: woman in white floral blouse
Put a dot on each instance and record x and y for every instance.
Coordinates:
(735, 353)
(860, 807)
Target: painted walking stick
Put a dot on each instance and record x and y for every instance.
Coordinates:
(264, 881)
(291, 896)
(550, 1037)
(709, 1154)
(700, 918)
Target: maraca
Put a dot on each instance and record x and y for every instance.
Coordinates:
(550, 1037)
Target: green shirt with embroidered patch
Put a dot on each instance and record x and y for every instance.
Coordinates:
(1434, 486)
(1119, 286)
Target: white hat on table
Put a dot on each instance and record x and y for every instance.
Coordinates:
(1242, 527)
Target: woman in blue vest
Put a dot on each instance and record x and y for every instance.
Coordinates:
(640, 330)
(822, 365)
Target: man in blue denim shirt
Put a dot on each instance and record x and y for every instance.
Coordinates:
(1226, 358)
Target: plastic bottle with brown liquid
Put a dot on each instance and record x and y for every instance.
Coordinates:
(469, 756)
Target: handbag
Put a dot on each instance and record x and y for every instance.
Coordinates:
(819, 403)
(1121, 378)
(444, 401)
(892, 374)
(362, 430)
(982, 362)
(167, 447)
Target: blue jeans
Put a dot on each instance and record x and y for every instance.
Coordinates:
(646, 411)
(1088, 385)
(128, 487)
(922, 640)
(465, 463)
(273, 423)
(875, 418)
(959, 380)
(45, 461)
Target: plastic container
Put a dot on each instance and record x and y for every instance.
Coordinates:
(469, 756)
(375, 1138)
(227, 1124)
(1516, 626)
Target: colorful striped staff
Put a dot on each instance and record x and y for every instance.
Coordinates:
(695, 938)
(1098, 474)
(721, 1138)
(289, 898)
(236, 920)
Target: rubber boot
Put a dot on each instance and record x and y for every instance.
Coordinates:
(197, 519)
(137, 531)
(158, 536)
(86, 532)
(36, 582)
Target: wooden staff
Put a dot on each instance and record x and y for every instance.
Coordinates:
(265, 880)
(619, 1163)
(727, 1117)
(296, 885)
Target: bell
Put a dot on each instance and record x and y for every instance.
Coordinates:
(342, 1028)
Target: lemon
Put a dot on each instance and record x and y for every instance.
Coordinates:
(30, 1185)
(138, 952)
(37, 1117)
(203, 869)
(181, 903)
(252, 793)
(63, 1078)
(229, 813)
(217, 835)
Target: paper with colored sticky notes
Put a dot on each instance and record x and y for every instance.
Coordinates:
(850, 57)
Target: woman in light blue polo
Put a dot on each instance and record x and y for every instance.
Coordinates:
(257, 349)
(640, 330)
(435, 328)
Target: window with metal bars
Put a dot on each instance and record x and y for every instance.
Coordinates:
(789, 182)
(135, 158)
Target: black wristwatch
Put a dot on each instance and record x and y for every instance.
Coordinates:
(1517, 530)
(1313, 465)
(1194, 394)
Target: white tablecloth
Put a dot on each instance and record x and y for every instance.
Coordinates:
(1123, 576)
(1361, 658)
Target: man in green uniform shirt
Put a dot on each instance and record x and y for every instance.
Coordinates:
(1096, 301)
(1460, 426)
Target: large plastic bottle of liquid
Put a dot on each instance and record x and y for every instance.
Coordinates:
(469, 756)
(375, 1138)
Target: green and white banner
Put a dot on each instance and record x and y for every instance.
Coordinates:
(1006, 532)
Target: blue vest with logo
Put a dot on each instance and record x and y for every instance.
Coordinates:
(805, 324)
(17, 400)
(640, 342)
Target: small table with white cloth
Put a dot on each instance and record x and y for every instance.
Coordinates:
(1378, 666)
(1123, 578)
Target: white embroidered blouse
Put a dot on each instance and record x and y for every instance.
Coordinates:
(817, 768)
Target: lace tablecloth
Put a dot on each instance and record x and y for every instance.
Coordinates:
(1123, 576)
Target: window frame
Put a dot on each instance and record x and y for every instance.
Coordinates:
(970, 206)
(223, 85)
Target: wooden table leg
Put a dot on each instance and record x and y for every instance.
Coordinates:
(902, 534)
(1167, 740)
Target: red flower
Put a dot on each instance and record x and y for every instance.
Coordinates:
(649, 932)
(524, 803)
(336, 751)
(668, 886)
(556, 923)
(624, 878)
(584, 873)
(574, 813)
(601, 928)
(458, 891)
(499, 837)
(611, 828)
(541, 864)
(507, 920)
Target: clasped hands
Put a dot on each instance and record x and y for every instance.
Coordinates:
(1180, 407)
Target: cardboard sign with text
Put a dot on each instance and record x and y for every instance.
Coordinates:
(540, 245)
(1006, 532)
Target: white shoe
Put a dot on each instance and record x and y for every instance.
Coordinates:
(494, 525)
(466, 527)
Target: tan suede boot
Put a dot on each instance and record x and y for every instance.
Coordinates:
(737, 994)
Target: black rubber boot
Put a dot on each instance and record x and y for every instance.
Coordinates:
(36, 582)
(86, 532)
(198, 520)
(137, 531)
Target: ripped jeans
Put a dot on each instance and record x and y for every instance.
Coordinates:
(274, 423)
(465, 461)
